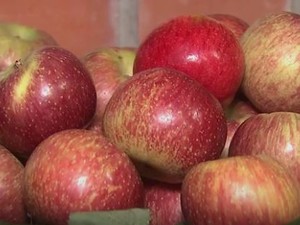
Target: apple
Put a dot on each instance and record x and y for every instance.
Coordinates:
(163, 201)
(240, 190)
(237, 25)
(272, 67)
(18, 40)
(12, 208)
(236, 113)
(275, 134)
(166, 122)
(48, 91)
(109, 67)
(199, 46)
(79, 170)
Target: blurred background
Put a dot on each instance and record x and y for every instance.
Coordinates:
(84, 25)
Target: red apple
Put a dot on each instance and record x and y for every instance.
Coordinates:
(237, 25)
(166, 122)
(12, 208)
(18, 40)
(272, 62)
(240, 190)
(163, 201)
(108, 67)
(236, 113)
(48, 91)
(199, 46)
(79, 170)
(275, 134)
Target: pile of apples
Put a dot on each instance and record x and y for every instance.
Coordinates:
(199, 125)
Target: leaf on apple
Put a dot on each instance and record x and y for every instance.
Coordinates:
(135, 216)
(182, 223)
(294, 222)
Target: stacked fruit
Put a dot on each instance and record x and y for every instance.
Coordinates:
(199, 125)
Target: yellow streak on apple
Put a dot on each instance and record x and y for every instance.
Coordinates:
(21, 88)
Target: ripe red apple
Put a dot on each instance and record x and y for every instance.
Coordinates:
(275, 134)
(48, 91)
(166, 122)
(79, 170)
(237, 25)
(108, 67)
(199, 46)
(18, 40)
(272, 62)
(236, 113)
(12, 208)
(240, 190)
(163, 201)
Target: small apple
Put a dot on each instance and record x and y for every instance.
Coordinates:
(166, 122)
(199, 46)
(236, 113)
(79, 170)
(12, 208)
(240, 190)
(48, 91)
(18, 40)
(275, 134)
(271, 81)
(237, 25)
(163, 201)
(108, 67)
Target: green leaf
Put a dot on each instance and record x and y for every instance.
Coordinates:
(4, 223)
(134, 216)
(295, 222)
(182, 223)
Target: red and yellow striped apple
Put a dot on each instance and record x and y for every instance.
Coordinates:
(240, 190)
(237, 25)
(78, 170)
(163, 201)
(12, 208)
(109, 67)
(271, 47)
(18, 40)
(48, 91)
(275, 134)
(166, 122)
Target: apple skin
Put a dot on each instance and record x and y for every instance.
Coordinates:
(275, 134)
(18, 40)
(50, 90)
(236, 113)
(11, 188)
(108, 67)
(237, 25)
(163, 201)
(238, 190)
(199, 46)
(166, 122)
(272, 67)
(86, 173)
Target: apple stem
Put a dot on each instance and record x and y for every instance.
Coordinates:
(18, 63)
